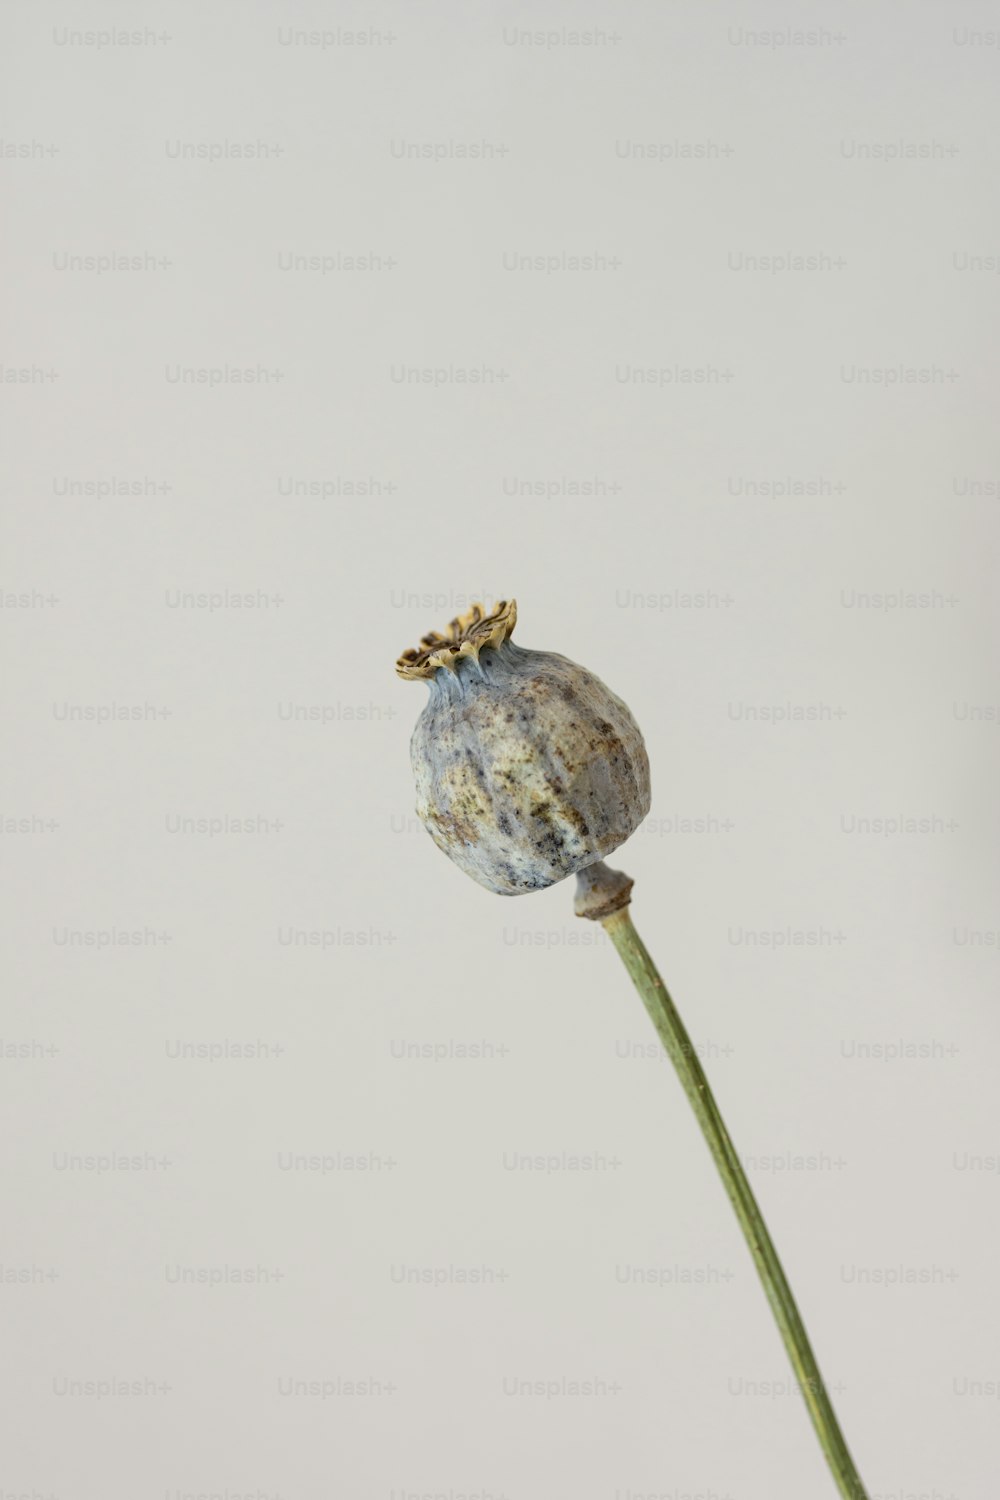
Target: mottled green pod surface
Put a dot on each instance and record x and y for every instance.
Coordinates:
(527, 767)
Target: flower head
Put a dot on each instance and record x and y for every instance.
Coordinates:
(527, 767)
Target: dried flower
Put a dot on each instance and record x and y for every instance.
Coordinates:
(527, 770)
(527, 767)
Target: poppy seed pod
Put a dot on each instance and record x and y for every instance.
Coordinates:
(527, 767)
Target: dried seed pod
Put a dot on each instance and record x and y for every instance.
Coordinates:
(527, 767)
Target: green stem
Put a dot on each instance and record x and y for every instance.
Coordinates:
(674, 1037)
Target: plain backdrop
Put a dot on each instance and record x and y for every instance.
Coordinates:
(324, 1172)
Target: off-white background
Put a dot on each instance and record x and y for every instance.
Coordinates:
(805, 660)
